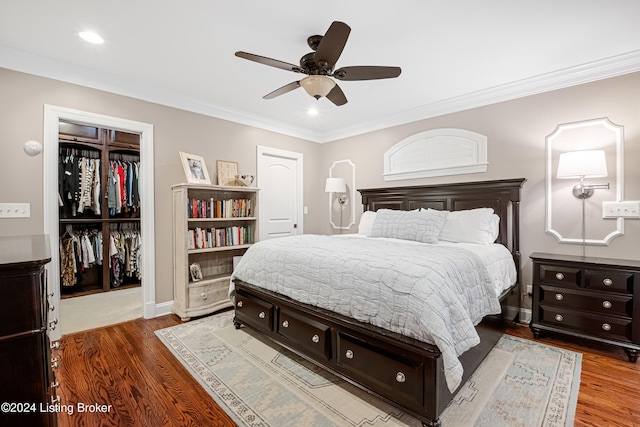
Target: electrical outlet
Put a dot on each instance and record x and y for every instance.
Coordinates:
(15, 210)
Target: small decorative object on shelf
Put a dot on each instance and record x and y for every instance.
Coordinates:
(587, 297)
(213, 224)
(227, 172)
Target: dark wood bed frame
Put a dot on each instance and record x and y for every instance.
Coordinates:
(403, 371)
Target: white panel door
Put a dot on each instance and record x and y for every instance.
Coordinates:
(280, 196)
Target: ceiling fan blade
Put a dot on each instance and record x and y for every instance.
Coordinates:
(284, 89)
(332, 44)
(336, 95)
(366, 73)
(270, 62)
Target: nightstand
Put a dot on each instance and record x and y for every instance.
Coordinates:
(593, 298)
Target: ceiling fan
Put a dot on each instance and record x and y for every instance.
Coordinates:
(319, 67)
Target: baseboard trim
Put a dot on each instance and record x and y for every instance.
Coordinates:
(525, 315)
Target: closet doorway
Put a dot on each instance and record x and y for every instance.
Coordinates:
(97, 294)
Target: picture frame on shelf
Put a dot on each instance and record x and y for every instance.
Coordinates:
(195, 168)
(227, 172)
(196, 273)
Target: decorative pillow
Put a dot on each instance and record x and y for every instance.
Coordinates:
(419, 225)
(479, 226)
(366, 222)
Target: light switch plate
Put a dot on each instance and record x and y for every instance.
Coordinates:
(626, 209)
(15, 210)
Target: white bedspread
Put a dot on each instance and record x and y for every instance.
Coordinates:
(434, 293)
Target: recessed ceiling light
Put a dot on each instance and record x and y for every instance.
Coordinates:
(91, 37)
(312, 111)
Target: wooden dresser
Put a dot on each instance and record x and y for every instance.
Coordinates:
(593, 298)
(28, 392)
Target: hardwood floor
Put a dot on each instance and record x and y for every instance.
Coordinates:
(135, 377)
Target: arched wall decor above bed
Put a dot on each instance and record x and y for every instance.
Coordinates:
(436, 152)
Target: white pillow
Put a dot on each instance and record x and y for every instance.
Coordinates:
(479, 226)
(366, 222)
(419, 225)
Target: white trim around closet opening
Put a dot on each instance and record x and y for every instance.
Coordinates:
(52, 115)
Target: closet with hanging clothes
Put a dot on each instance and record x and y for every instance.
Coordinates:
(99, 209)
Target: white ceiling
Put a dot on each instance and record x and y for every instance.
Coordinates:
(454, 55)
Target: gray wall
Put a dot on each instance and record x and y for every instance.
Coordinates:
(516, 132)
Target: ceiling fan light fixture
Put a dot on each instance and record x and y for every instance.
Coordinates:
(317, 86)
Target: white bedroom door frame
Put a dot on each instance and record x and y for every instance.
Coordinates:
(265, 157)
(52, 116)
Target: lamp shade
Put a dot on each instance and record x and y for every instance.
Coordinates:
(317, 86)
(582, 164)
(335, 185)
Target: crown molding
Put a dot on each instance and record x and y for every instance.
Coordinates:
(585, 73)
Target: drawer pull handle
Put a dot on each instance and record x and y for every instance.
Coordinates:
(262, 315)
(55, 384)
(285, 324)
(54, 363)
(204, 296)
(606, 304)
(400, 377)
(239, 304)
(52, 307)
(55, 345)
(606, 326)
(559, 276)
(55, 400)
(559, 317)
(559, 297)
(315, 339)
(349, 354)
(607, 282)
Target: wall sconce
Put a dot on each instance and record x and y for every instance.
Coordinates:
(339, 186)
(581, 165)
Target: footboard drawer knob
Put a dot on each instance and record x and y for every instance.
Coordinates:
(606, 304)
(607, 282)
(349, 354)
(285, 324)
(606, 326)
(559, 276)
(204, 296)
(315, 339)
(239, 304)
(262, 315)
(559, 297)
(400, 377)
(559, 317)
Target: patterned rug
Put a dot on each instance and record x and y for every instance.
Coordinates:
(520, 383)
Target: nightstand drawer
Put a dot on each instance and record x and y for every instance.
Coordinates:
(611, 304)
(612, 328)
(560, 276)
(610, 281)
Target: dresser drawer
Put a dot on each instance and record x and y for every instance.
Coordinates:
(255, 312)
(610, 281)
(560, 276)
(611, 328)
(606, 303)
(389, 374)
(311, 336)
(211, 293)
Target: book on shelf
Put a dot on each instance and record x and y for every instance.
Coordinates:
(205, 238)
(228, 208)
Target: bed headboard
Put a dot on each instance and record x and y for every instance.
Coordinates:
(501, 195)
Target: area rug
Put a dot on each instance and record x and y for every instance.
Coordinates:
(260, 384)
